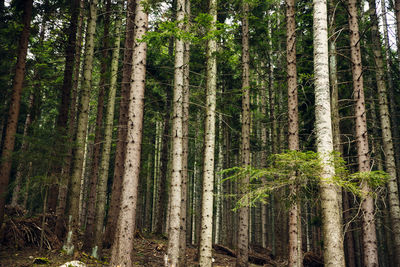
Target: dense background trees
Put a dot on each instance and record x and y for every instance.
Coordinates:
(163, 117)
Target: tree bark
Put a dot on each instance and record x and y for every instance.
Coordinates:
(162, 188)
(78, 159)
(209, 145)
(64, 107)
(176, 176)
(331, 224)
(105, 158)
(185, 142)
(243, 234)
(63, 186)
(293, 132)
(393, 194)
(98, 136)
(367, 205)
(13, 112)
(122, 126)
(123, 245)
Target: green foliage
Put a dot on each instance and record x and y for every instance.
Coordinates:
(302, 171)
(198, 31)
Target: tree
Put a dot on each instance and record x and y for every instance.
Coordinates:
(98, 135)
(105, 155)
(177, 145)
(393, 194)
(13, 112)
(123, 125)
(185, 142)
(367, 205)
(78, 159)
(63, 186)
(209, 145)
(243, 225)
(293, 131)
(123, 246)
(332, 228)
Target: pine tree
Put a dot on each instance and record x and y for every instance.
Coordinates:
(209, 145)
(78, 160)
(123, 123)
(243, 224)
(13, 113)
(393, 194)
(332, 228)
(123, 244)
(177, 146)
(370, 250)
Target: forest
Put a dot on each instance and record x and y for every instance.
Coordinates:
(200, 133)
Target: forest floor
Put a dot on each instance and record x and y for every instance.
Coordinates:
(148, 252)
(21, 236)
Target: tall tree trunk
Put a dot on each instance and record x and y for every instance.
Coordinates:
(367, 205)
(209, 145)
(63, 110)
(13, 112)
(78, 160)
(157, 152)
(293, 132)
(98, 136)
(332, 227)
(64, 178)
(219, 214)
(123, 245)
(122, 125)
(274, 134)
(243, 234)
(105, 156)
(185, 143)
(162, 199)
(176, 176)
(387, 139)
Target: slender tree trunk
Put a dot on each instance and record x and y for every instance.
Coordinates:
(393, 195)
(263, 159)
(274, 135)
(78, 160)
(185, 143)
(243, 234)
(105, 158)
(176, 176)
(219, 225)
(209, 145)
(148, 198)
(332, 228)
(162, 188)
(122, 125)
(293, 132)
(64, 178)
(13, 113)
(156, 172)
(63, 110)
(98, 136)
(123, 245)
(367, 205)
